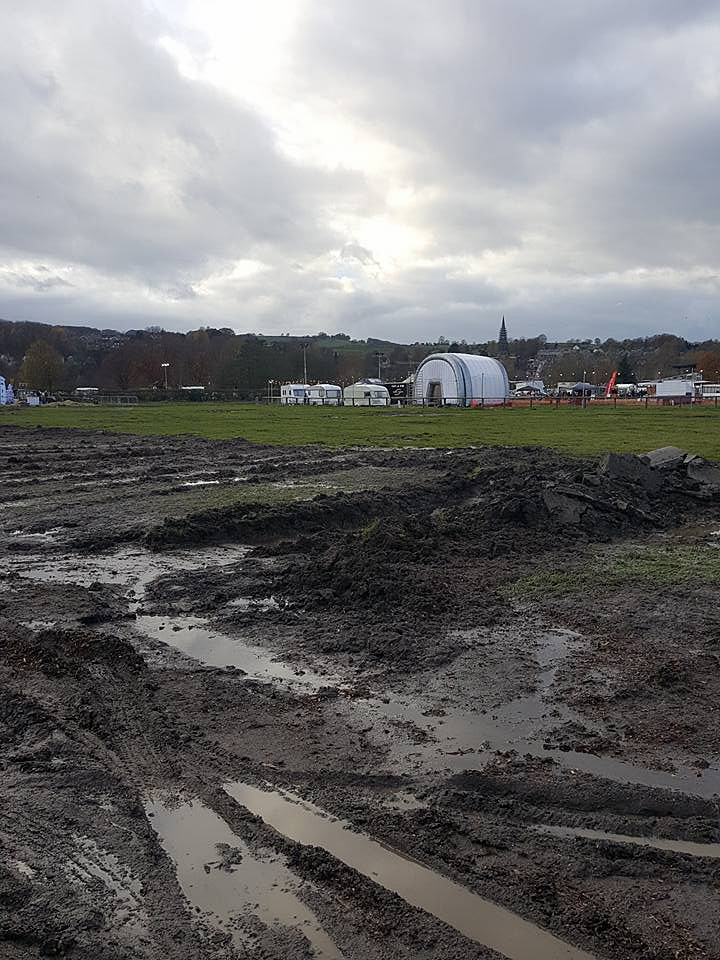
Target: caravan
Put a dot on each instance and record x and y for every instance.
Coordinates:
(324, 393)
(366, 393)
(294, 392)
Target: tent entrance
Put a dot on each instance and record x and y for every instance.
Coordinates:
(434, 392)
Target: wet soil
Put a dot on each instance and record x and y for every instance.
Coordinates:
(261, 702)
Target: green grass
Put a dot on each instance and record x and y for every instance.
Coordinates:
(569, 429)
(650, 566)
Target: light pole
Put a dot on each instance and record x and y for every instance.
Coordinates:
(270, 383)
(165, 370)
(304, 350)
(379, 357)
(584, 401)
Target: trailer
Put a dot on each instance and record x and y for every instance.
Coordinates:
(675, 391)
(366, 393)
(321, 394)
(292, 393)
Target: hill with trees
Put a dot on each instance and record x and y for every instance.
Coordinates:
(48, 357)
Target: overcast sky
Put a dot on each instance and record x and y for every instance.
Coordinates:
(399, 168)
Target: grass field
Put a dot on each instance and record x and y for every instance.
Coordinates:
(569, 429)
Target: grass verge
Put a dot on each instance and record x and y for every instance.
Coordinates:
(650, 566)
(568, 429)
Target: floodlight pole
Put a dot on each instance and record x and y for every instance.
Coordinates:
(304, 350)
(165, 369)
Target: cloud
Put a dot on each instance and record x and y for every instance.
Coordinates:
(385, 168)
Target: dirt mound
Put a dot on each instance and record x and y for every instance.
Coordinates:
(428, 560)
(255, 522)
(58, 653)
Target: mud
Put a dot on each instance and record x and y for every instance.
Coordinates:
(266, 702)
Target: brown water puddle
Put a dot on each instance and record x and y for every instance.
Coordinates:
(131, 567)
(475, 917)
(688, 847)
(192, 636)
(460, 739)
(220, 875)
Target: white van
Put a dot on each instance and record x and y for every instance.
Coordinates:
(294, 392)
(366, 394)
(324, 393)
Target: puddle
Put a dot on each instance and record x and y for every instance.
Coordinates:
(195, 639)
(250, 603)
(44, 536)
(689, 847)
(212, 483)
(220, 875)
(133, 568)
(422, 736)
(473, 916)
(456, 738)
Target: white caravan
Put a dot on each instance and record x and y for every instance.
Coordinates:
(324, 393)
(366, 393)
(294, 392)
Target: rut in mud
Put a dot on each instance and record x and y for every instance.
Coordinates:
(498, 669)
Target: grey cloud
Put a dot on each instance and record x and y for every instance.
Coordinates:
(562, 157)
(112, 159)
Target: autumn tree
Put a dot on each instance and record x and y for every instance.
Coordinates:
(709, 362)
(42, 367)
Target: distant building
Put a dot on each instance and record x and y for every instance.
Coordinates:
(503, 348)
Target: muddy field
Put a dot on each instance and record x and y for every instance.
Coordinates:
(263, 702)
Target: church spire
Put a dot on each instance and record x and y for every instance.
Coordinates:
(503, 348)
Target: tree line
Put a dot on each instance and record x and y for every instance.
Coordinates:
(54, 358)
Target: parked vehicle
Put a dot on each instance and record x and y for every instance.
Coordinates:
(324, 393)
(294, 393)
(366, 393)
(675, 390)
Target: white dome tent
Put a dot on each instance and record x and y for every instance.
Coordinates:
(461, 379)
